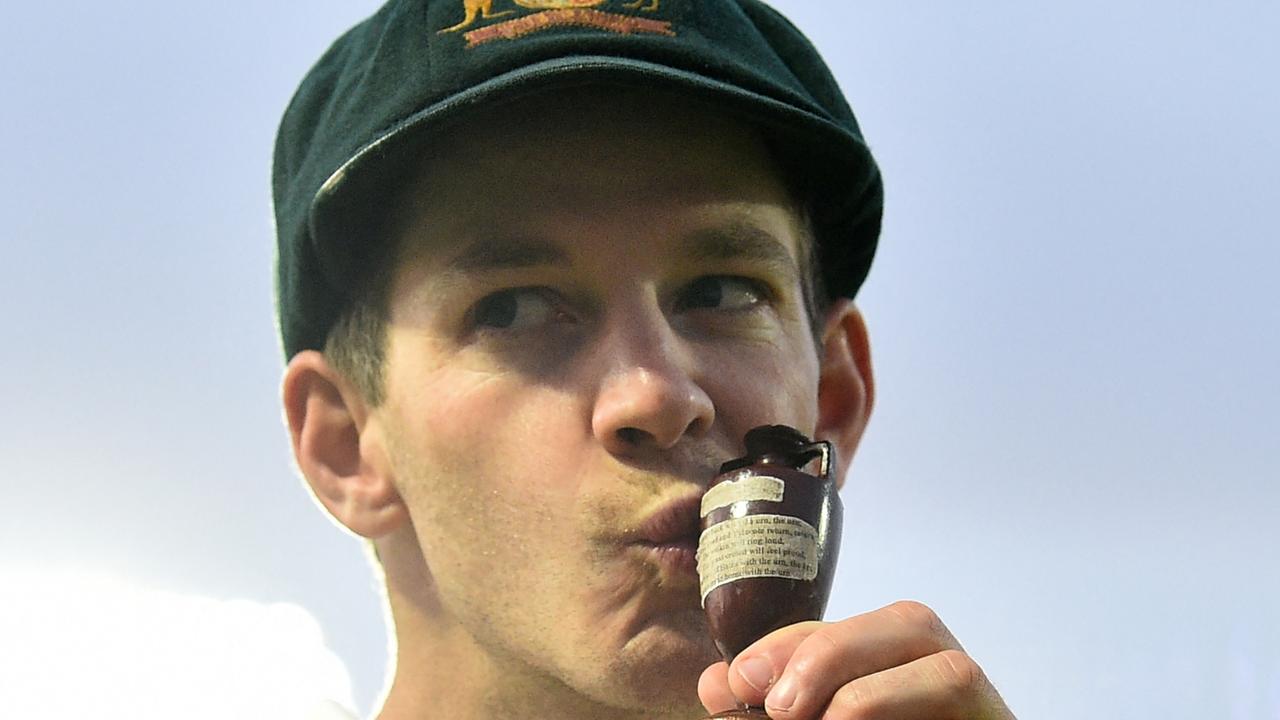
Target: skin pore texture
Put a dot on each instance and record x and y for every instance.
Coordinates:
(593, 301)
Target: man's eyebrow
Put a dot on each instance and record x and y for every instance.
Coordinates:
(507, 254)
(740, 241)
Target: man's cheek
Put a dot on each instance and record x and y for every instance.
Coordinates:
(766, 390)
(498, 451)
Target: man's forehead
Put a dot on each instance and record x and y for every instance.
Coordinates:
(729, 240)
(762, 247)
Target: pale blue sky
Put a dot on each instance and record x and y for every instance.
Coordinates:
(1074, 318)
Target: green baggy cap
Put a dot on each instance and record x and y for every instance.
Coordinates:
(362, 115)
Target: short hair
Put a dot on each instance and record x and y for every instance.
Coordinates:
(357, 343)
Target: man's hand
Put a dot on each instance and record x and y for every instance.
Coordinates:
(897, 662)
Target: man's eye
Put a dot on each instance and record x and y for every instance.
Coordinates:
(515, 309)
(721, 292)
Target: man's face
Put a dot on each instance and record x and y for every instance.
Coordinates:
(594, 301)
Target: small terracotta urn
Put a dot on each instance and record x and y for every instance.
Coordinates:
(770, 537)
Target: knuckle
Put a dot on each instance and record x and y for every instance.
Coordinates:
(818, 652)
(918, 615)
(959, 673)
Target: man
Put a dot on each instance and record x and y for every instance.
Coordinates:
(541, 266)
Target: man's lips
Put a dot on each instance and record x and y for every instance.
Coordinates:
(676, 521)
(670, 535)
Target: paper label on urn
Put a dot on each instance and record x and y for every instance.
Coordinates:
(756, 546)
(748, 488)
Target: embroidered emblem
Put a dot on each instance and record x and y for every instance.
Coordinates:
(555, 13)
(557, 4)
(476, 9)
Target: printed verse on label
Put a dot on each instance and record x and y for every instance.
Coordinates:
(757, 546)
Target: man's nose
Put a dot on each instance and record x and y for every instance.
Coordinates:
(649, 395)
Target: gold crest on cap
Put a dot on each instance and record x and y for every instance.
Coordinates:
(554, 13)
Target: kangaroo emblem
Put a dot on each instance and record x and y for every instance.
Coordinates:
(476, 9)
(534, 16)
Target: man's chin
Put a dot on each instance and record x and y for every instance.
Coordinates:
(658, 667)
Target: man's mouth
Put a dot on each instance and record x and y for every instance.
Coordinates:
(670, 535)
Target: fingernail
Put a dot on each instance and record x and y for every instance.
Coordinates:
(757, 672)
(783, 695)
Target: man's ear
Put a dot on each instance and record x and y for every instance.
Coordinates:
(846, 387)
(340, 448)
